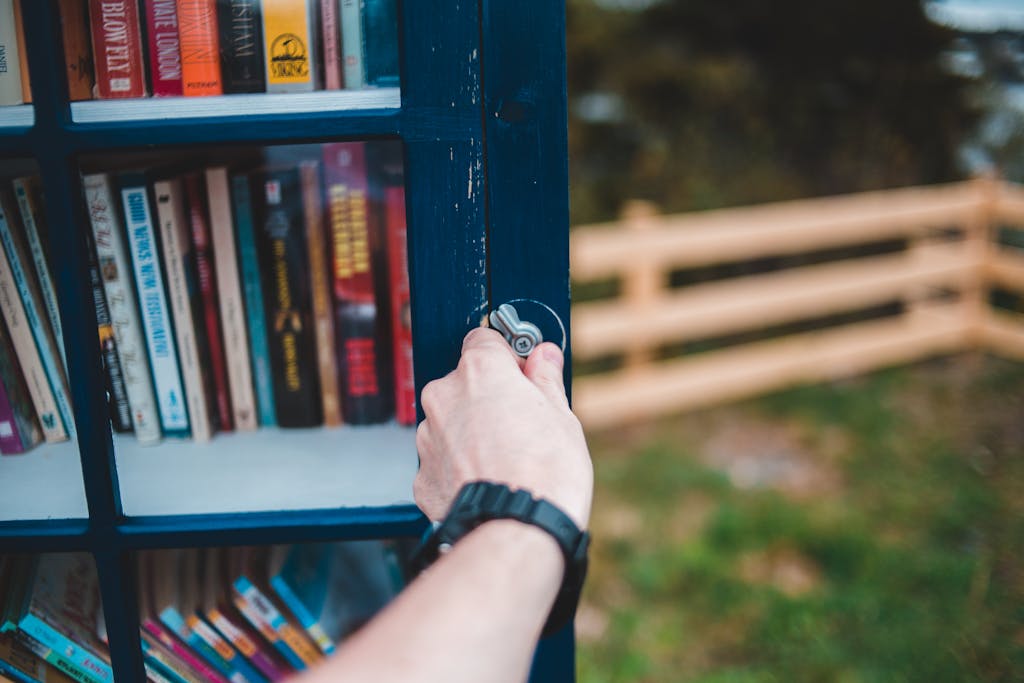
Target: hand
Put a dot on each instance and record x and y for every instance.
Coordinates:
(499, 418)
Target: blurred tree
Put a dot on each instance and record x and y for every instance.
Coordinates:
(696, 104)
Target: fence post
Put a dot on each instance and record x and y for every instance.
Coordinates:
(642, 281)
(978, 245)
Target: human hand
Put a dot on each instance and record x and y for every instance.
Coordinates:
(498, 418)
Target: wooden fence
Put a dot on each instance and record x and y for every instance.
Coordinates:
(947, 261)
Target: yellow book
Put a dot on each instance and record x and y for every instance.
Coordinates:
(289, 32)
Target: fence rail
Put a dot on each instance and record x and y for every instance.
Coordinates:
(942, 275)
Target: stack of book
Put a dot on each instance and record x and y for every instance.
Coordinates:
(236, 296)
(35, 404)
(245, 615)
(133, 48)
(14, 83)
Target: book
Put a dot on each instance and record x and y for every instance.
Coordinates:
(19, 428)
(117, 49)
(165, 73)
(116, 270)
(78, 64)
(10, 61)
(365, 399)
(352, 43)
(176, 247)
(281, 243)
(20, 663)
(320, 288)
(116, 388)
(200, 49)
(26, 191)
(143, 246)
(330, 41)
(19, 29)
(162, 661)
(202, 250)
(249, 268)
(401, 311)
(36, 349)
(380, 42)
(289, 33)
(241, 45)
(229, 296)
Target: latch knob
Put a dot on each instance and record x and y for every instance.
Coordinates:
(523, 336)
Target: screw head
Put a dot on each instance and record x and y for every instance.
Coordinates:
(523, 345)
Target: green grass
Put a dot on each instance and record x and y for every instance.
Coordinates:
(900, 558)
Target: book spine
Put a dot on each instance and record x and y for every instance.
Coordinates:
(19, 29)
(56, 659)
(308, 621)
(77, 49)
(10, 437)
(200, 50)
(323, 316)
(179, 649)
(401, 313)
(288, 44)
(364, 400)
(248, 261)
(165, 75)
(352, 44)
(239, 669)
(81, 659)
(331, 43)
(159, 665)
(115, 268)
(156, 317)
(117, 49)
(380, 43)
(61, 423)
(248, 647)
(256, 620)
(229, 295)
(287, 300)
(10, 62)
(304, 650)
(177, 251)
(201, 247)
(241, 45)
(31, 216)
(20, 430)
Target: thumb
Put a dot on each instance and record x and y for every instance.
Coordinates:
(544, 369)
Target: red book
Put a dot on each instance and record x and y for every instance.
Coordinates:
(164, 47)
(117, 49)
(331, 45)
(203, 250)
(401, 313)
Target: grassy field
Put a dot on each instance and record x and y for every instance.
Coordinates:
(868, 530)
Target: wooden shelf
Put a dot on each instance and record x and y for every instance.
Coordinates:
(269, 470)
(45, 483)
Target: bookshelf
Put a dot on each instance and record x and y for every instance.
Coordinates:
(481, 117)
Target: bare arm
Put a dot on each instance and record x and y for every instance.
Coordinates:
(477, 613)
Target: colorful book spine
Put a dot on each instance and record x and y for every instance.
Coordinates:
(229, 295)
(177, 256)
(297, 649)
(117, 49)
(160, 664)
(288, 44)
(308, 621)
(248, 261)
(58, 660)
(156, 316)
(320, 287)
(46, 349)
(401, 312)
(352, 43)
(165, 75)
(237, 668)
(85, 664)
(176, 623)
(288, 305)
(168, 639)
(19, 430)
(380, 43)
(200, 50)
(78, 62)
(116, 269)
(330, 31)
(247, 645)
(241, 45)
(201, 246)
(10, 67)
(19, 29)
(26, 192)
(365, 399)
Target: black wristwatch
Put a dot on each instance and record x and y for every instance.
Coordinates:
(482, 501)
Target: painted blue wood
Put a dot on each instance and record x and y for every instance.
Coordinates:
(38, 536)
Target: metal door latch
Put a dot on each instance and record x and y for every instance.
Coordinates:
(523, 336)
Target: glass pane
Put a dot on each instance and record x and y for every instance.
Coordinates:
(176, 49)
(52, 618)
(40, 475)
(260, 307)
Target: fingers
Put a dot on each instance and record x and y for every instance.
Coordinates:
(544, 369)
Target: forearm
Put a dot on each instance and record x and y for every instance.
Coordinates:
(475, 615)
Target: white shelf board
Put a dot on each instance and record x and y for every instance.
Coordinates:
(269, 470)
(45, 483)
(17, 116)
(160, 108)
